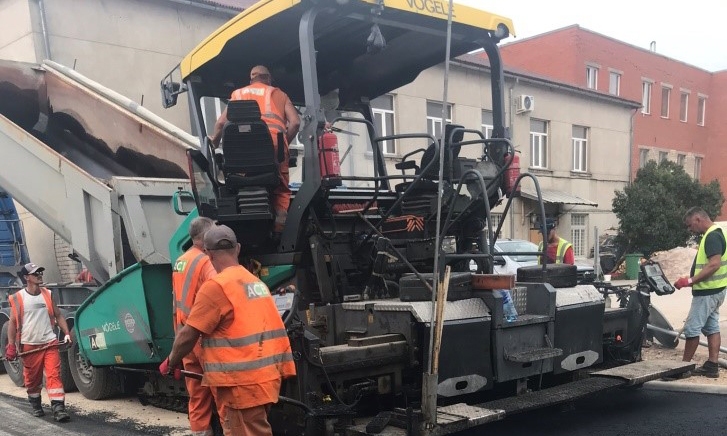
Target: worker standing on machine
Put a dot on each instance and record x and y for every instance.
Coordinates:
(33, 317)
(281, 116)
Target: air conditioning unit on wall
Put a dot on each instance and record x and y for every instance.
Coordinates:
(524, 103)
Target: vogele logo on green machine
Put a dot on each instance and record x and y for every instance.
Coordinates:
(438, 7)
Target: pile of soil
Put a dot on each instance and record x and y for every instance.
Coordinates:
(676, 262)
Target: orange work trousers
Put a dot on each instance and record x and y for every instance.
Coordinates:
(201, 402)
(33, 366)
(281, 194)
(247, 422)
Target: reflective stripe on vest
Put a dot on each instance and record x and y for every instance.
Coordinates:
(247, 340)
(274, 117)
(563, 246)
(16, 305)
(249, 365)
(719, 278)
(255, 347)
(185, 275)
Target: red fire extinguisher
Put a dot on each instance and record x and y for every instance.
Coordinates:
(511, 174)
(328, 158)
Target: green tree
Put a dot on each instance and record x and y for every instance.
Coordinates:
(651, 209)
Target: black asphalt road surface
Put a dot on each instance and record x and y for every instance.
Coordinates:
(640, 412)
(16, 420)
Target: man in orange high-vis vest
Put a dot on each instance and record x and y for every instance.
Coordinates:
(33, 316)
(245, 348)
(281, 117)
(191, 270)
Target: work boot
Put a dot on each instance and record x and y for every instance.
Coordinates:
(59, 411)
(37, 407)
(708, 369)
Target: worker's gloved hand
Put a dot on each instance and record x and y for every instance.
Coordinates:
(682, 282)
(11, 353)
(67, 339)
(166, 370)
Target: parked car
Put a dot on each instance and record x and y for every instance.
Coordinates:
(509, 263)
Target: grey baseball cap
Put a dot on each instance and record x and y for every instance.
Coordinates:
(220, 238)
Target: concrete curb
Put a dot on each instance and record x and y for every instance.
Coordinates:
(676, 386)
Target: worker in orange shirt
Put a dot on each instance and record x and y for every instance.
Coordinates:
(33, 317)
(191, 270)
(245, 348)
(281, 116)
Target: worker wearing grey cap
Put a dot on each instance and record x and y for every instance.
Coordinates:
(245, 348)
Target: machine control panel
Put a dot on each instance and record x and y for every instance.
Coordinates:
(654, 276)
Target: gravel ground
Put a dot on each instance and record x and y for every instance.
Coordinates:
(657, 351)
(123, 410)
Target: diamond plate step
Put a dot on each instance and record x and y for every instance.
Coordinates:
(552, 396)
(533, 354)
(647, 370)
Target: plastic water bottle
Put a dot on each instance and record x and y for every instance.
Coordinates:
(508, 306)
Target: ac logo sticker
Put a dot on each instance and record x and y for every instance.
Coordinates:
(256, 290)
(180, 266)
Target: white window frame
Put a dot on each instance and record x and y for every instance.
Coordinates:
(580, 151)
(487, 128)
(436, 121)
(617, 76)
(646, 97)
(539, 141)
(684, 106)
(643, 157)
(388, 147)
(495, 219)
(701, 109)
(591, 77)
(579, 233)
(666, 101)
(663, 155)
(681, 158)
(697, 167)
(209, 125)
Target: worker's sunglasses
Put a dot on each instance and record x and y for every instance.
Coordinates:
(37, 274)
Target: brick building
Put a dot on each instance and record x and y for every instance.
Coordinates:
(682, 104)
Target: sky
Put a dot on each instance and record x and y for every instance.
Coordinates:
(695, 35)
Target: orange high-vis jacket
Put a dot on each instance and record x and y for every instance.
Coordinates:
(16, 305)
(255, 347)
(185, 280)
(273, 115)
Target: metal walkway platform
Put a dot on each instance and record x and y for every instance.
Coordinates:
(458, 417)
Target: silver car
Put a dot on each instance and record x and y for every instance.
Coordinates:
(508, 264)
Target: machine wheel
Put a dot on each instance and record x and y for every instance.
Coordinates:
(69, 385)
(14, 368)
(557, 274)
(93, 383)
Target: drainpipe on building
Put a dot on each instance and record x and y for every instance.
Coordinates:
(44, 31)
(631, 144)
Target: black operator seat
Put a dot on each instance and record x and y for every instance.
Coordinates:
(249, 156)
(427, 184)
(429, 154)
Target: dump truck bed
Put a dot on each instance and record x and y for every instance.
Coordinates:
(95, 167)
